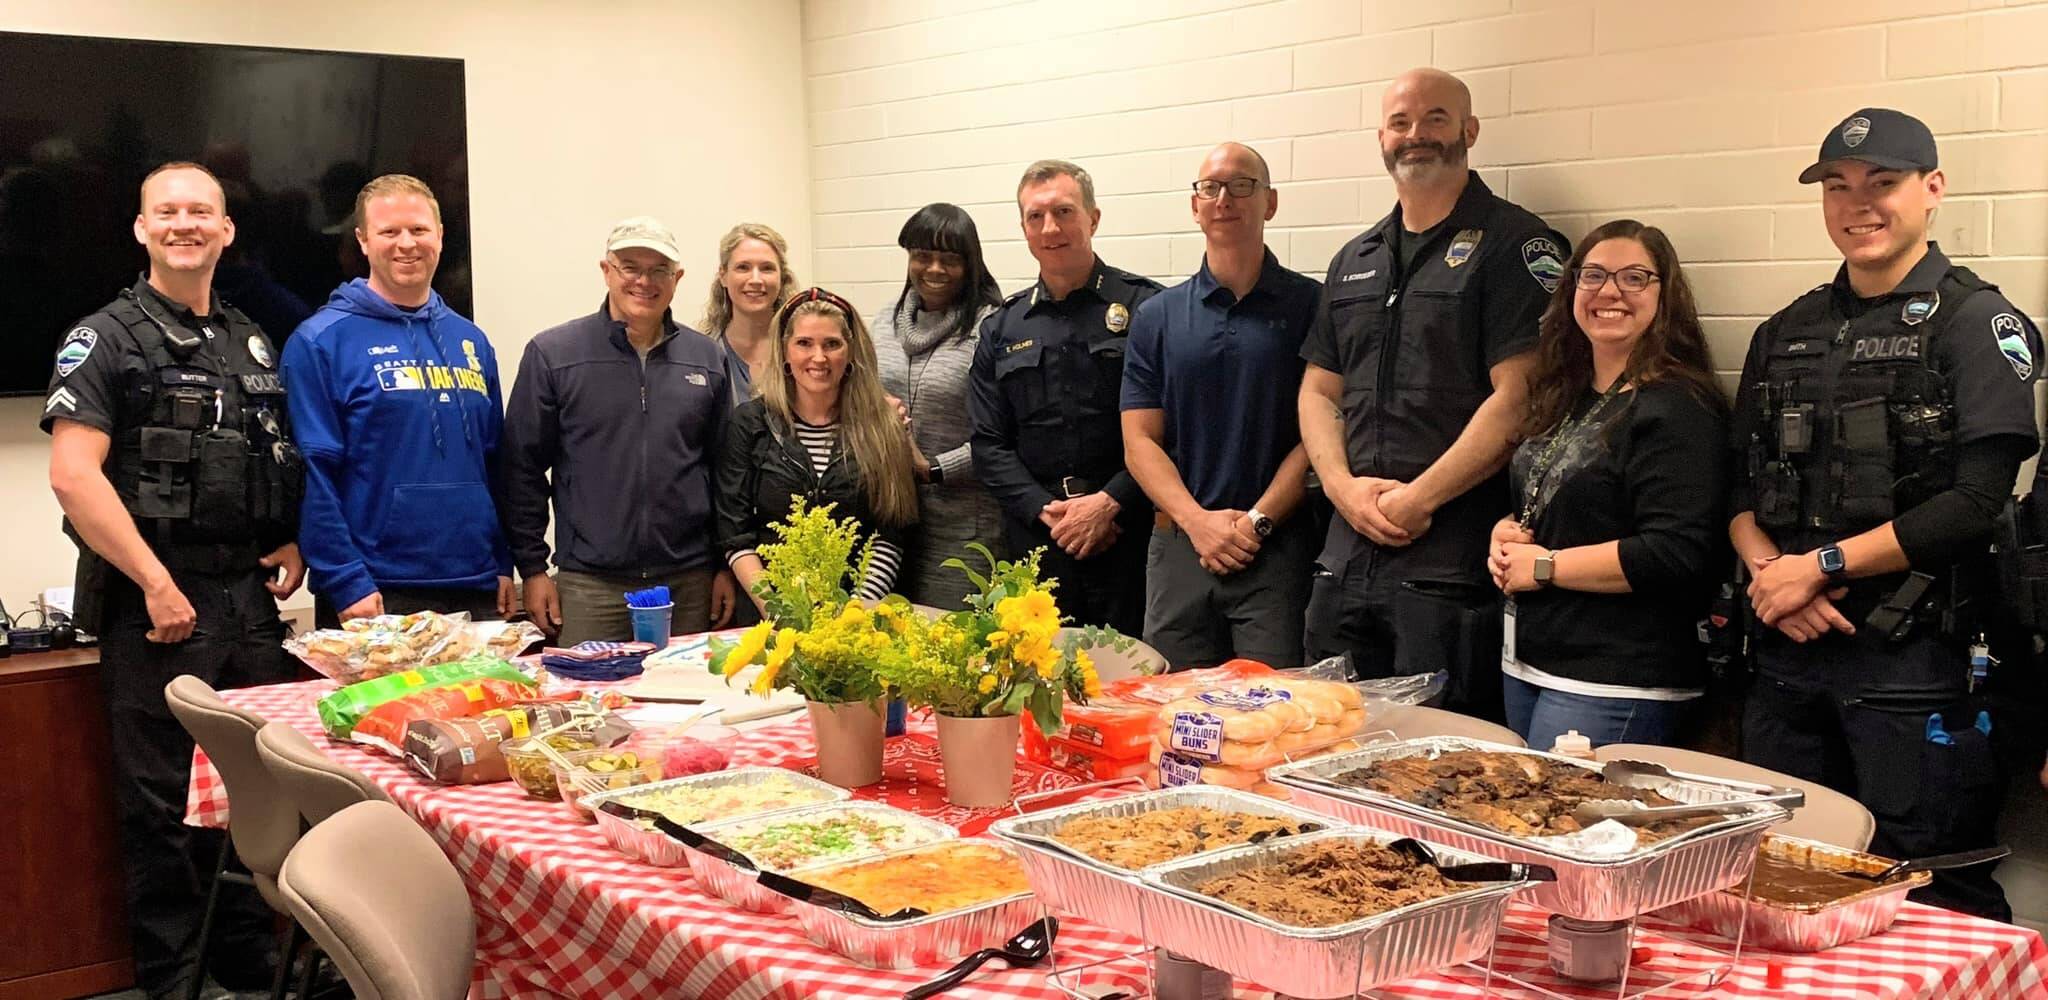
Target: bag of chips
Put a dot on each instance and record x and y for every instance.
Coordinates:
(340, 711)
(384, 726)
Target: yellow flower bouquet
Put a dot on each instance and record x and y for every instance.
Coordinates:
(816, 639)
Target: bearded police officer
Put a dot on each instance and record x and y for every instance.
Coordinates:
(1881, 421)
(1418, 361)
(172, 458)
(1048, 440)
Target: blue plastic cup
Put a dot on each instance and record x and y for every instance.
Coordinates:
(897, 719)
(652, 624)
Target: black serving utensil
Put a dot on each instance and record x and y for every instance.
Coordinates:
(1939, 862)
(1029, 947)
(693, 839)
(819, 896)
(1484, 871)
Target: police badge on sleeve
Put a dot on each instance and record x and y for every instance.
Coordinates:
(1545, 261)
(2011, 332)
(77, 347)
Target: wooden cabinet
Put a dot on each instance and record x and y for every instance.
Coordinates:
(63, 931)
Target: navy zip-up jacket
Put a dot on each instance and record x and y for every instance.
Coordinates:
(625, 450)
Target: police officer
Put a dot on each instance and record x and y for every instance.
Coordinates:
(1418, 361)
(1048, 441)
(1880, 423)
(171, 455)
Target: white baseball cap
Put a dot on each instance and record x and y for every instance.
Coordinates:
(646, 232)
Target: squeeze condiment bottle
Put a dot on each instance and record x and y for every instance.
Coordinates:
(1573, 744)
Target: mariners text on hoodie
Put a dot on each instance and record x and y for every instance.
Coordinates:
(397, 412)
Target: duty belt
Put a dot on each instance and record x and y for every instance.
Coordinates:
(199, 557)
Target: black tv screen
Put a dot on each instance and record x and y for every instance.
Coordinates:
(292, 134)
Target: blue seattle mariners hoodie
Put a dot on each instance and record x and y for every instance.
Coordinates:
(397, 412)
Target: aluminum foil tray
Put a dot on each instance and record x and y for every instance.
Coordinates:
(1074, 883)
(627, 829)
(1588, 887)
(740, 886)
(1803, 927)
(1335, 961)
(903, 944)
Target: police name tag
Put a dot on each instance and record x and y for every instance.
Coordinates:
(263, 384)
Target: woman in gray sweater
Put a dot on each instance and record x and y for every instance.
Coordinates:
(924, 345)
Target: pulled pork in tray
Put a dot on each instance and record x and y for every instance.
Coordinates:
(1522, 795)
(1149, 838)
(1329, 883)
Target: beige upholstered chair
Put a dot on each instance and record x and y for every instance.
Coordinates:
(262, 822)
(310, 779)
(1828, 816)
(402, 932)
(1413, 721)
(1112, 664)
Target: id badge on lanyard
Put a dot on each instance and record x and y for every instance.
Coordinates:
(1507, 633)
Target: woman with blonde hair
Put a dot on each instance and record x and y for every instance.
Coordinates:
(821, 429)
(752, 282)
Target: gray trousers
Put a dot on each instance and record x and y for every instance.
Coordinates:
(1196, 618)
(594, 604)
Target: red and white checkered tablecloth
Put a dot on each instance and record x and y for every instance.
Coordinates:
(560, 914)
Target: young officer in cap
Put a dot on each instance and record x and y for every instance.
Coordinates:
(171, 454)
(1880, 423)
(615, 418)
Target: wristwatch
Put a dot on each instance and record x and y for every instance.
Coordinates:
(1832, 563)
(1546, 567)
(1261, 524)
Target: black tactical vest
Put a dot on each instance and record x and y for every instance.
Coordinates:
(208, 469)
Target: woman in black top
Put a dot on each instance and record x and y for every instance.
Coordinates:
(1618, 488)
(825, 431)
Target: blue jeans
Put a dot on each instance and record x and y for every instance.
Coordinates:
(1541, 715)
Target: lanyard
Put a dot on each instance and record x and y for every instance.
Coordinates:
(1546, 461)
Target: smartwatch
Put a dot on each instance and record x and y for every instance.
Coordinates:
(1832, 563)
(1545, 568)
(1261, 524)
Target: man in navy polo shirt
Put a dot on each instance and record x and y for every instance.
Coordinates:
(1210, 433)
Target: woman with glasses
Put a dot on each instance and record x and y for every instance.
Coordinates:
(924, 343)
(752, 282)
(822, 429)
(1618, 487)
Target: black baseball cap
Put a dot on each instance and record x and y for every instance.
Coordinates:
(1880, 137)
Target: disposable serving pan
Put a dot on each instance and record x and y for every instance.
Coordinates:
(930, 940)
(740, 884)
(1337, 961)
(630, 829)
(1803, 927)
(1588, 886)
(1074, 883)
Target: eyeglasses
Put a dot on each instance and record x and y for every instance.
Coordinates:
(1239, 187)
(658, 275)
(1634, 278)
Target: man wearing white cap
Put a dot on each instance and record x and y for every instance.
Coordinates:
(614, 418)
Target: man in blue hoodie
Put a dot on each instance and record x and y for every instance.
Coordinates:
(396, 404)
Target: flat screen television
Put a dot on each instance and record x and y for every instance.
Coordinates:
(292, 134)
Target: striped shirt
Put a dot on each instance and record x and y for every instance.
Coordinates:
(819, 440)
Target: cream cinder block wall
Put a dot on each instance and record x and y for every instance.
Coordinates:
(579, 115)
(1693, 116)
(1696, 117)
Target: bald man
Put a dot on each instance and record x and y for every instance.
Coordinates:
(1417, 376)
(1227, 568)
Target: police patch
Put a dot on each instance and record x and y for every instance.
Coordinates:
(1462, 246)
(1919, 308)
(1855, 130)
(2011, 332)
(1544, 261)
(1118, 318)
(259, 350)
(77, 347)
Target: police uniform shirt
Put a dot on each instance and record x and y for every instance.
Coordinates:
(1983, 348)
(1416, 345)
(102, 375)
(1043, 396)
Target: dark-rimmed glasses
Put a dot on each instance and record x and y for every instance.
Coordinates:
(1633, 278)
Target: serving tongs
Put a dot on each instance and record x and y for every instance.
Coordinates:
(1483, 871)
(1658, 778)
